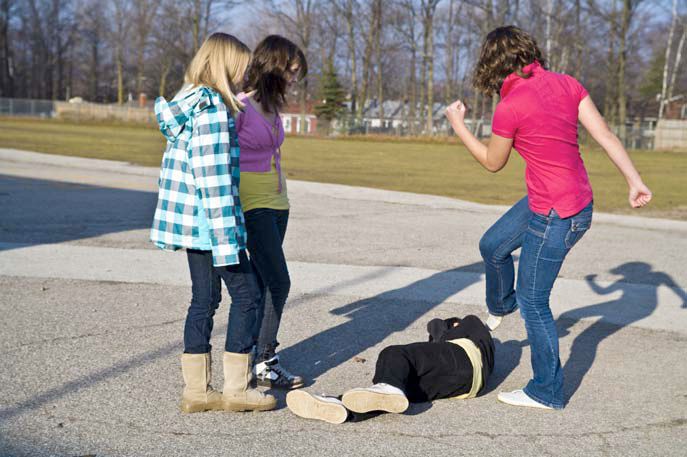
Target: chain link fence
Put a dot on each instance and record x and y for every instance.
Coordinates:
(79, 111)
(23, 107)
(408, 127)
(643, 134)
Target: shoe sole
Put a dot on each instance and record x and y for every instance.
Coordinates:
(190, 408)
(304, 405)
(269, 384)
(523, 405)
(240, 407)
(364, 401)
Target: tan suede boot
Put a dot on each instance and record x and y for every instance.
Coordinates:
(237, 393)
(198, 395)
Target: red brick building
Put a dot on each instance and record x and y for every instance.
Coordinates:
(294, 122)
(676, 108)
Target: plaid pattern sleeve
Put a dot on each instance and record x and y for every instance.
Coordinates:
(173, 117)
(213, 157)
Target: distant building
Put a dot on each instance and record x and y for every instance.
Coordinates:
(394, 117)
(676, 108)
(293, 120)
(671, 131)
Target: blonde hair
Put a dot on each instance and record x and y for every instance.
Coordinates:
(220, 64)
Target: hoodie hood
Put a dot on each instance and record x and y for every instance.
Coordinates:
(172, 116)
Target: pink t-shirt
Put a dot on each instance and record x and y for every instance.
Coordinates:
(540, 114)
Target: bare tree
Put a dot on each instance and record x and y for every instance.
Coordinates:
(145, 12)
(405, 24)
(199, 16)
(450, 55)
(171, 51)
(629, 8)
(122, 11)
(579, 44)
(668, 82)
(347, 9)
(415, 50)
(93, 30)
(378, 56)
(428, 8)
(610, 106)
(297, 16)
(370, 36)
(6, 70)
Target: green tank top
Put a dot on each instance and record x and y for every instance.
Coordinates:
(261, 190)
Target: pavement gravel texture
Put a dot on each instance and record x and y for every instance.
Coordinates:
(92, 318)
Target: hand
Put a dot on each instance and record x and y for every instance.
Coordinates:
(640, 195)
(455, 112)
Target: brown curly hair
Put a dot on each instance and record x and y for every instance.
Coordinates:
(505, 50)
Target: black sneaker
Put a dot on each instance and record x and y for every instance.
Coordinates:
(270, 373)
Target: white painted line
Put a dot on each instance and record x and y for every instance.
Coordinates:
(638, 305)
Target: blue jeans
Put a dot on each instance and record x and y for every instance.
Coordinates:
(266, 229)
(206, 287)
(545, 241)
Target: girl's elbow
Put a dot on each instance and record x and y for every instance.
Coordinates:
(497, 165)
(493, 168)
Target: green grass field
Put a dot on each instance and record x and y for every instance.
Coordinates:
(422, 167)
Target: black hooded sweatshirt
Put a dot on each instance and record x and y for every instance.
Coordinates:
(470, 327)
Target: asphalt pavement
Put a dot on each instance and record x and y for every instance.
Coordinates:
(92, 317)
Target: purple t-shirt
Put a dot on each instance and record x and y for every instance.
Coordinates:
(259, 138)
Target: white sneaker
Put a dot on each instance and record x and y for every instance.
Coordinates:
(493, 321)
(520, 398)
(320, 407)
(379, 397)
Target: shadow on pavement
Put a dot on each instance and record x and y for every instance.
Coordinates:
(38, 211)
(586, 344)
(507, 357)
(371, 320)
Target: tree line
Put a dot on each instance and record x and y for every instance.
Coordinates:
(628, 53)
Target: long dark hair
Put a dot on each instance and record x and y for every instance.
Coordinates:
(505, 50)
(272, 60)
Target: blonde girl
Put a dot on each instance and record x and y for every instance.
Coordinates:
(199, 209)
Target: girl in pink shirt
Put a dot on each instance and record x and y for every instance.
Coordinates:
(537, 116)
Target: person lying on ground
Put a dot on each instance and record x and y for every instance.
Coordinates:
(455, 363)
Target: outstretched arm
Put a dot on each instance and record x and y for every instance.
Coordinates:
(591, 280)
(493, 157)
(679, 291)
(595, 124)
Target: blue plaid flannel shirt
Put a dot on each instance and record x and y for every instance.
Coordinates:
(198, 200)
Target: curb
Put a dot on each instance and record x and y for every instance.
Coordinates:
(18, 156)
(336, 190)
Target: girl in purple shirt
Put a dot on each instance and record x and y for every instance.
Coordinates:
(277, 64)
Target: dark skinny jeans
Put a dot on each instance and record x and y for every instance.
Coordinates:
(266, 230)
